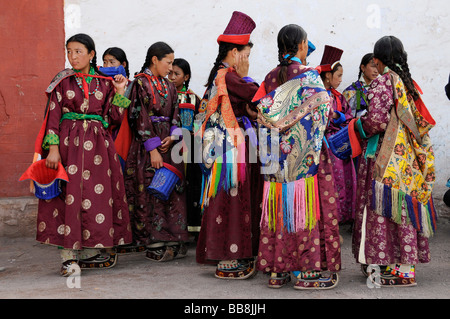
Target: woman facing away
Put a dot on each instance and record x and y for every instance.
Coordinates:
(394, 209)
(154, 127)
(230, 200)
(92, 211)
(356, 93)
(189, 104)
(299, 223)
(344, 175)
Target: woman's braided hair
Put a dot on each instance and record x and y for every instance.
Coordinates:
(364, 61)
(185, 67)
(158, 49)
(289, 37)
(390, 51)
(224, 47)
(88, 42)
(120, 55)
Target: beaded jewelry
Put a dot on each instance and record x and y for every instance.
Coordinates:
(162, 90)
(79, 82)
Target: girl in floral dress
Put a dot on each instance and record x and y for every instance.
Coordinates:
(331, 72)
(299, 226)
(154, 126)
(395, 214)
(230, 198)
(92, 211)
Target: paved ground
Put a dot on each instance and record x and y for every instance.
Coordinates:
(29, 270)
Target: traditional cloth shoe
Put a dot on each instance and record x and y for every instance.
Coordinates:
(396, 275)
(278, 280)
(67, 269)
(131, 248)
(236, 269)
(402, 270)
(161, 254)
(179, 250)
(317, 282)
(98, 262)
(387, 280)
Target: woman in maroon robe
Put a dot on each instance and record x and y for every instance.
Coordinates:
(304, 251)
(229, 230)
(92, 210)
(344, 173)
(154, 122)
(388, 237)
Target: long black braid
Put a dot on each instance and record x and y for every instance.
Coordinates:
(158, 49)
(185, 67)
(88, 42)
(224, 47)
(120, 55)
(390, 51)
(289, 37)
(364, 61)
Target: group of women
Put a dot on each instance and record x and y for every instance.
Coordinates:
(279, 213)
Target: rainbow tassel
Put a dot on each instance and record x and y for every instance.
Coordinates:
(291, 207)
(388, 202)
(227, 172)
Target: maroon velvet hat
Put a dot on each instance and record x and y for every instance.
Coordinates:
(238, 29)
(331, 55)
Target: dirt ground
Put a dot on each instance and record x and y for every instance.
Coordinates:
(29, 270)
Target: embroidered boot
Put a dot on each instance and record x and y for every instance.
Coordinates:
(235, 269)
(315, 280)
(278, 280)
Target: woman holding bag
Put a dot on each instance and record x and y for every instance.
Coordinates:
(154, 121)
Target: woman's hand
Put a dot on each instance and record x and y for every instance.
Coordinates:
(156, 159)
(242, 65)
(165, 144)
(119, 83)
(251, 114)
(262, 121)
(53, 157)
(335, 115)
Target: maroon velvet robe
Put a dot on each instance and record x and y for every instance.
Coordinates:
(152, 219)
(344, 173)
(92, 210)
(230, 223)
(318, 249)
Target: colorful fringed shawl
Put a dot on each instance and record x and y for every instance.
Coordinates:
(299, 109)
(223, 142)
(404, 171)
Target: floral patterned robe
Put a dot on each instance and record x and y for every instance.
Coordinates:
(377, 239)
(305, 250)
(344, 173)
(92, 210)
(229, 227)
(151, 118)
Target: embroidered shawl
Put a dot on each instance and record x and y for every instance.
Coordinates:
(299, 109)
(223, 142)
(404, 171)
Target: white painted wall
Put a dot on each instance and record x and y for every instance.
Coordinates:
(191, 28)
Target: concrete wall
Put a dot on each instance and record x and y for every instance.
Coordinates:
(31, 53)
(191, 27)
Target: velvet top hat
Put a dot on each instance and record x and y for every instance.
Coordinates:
(238, 29)
(331, 56)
